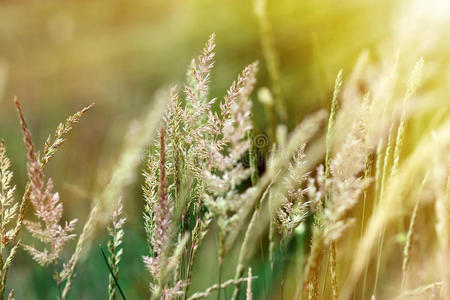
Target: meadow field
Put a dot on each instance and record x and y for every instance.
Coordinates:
(225, 149)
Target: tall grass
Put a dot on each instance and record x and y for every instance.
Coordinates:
(209, 177)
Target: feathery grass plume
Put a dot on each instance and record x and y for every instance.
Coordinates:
(293, 208)
(47, 206)
(413, 84)
(158, 209)
(344, 187)
(278, 167)
(150, 190)
(279, 164)
(159, 225)
(398, 188)
(277, 172)
(345, 182)
(223, 173)
(377, 120)
(115, 251)
(8, 209)
(49, 210)
(195, 113)
(187, 126)
(201, 145)
(331, 121)
(339, 188)
(199, 73)
(8, 214)
(63, 129)
(174, 121)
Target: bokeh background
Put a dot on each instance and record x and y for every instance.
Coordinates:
(59, 56)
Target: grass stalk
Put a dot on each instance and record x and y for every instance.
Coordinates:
(271, 58)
